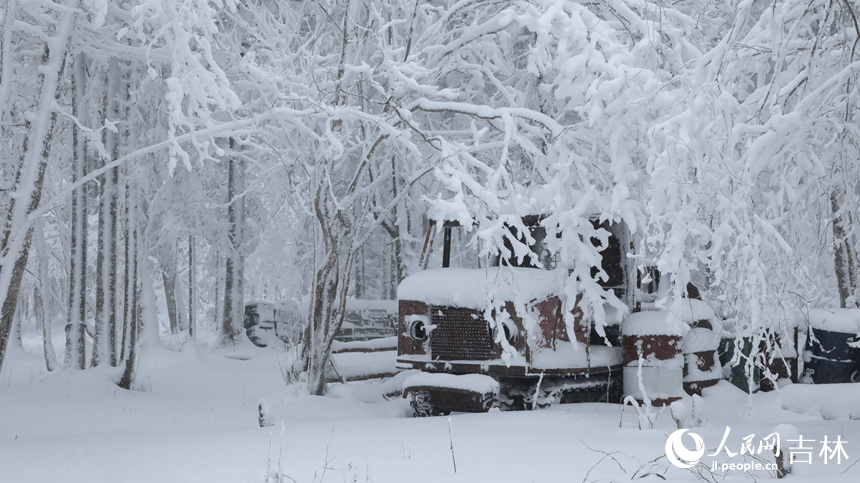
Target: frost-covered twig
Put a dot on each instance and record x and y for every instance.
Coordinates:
(537, 391)
(849, 467)
(610, 455)
(653, 463)
(326, 460)
(276, 475)
(451, 439)
(643, 415)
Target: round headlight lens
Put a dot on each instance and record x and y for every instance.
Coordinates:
(417, 330)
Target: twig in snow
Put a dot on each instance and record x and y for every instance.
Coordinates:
(851, 466)
(451, 439)
(652, 463)
(609, 455)
(326, 461)
(537, 391)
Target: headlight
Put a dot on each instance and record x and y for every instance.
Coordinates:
(418, 330)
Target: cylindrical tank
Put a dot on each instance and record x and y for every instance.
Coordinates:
(653, 358)
(741, 373)
(781, 359)
(832, 352)
(701, 360)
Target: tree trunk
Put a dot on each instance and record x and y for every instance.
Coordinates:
(398, 265)
(5, 61)
(394, 268)
(113, 276)
(228, 335)
(106, 258)
(191, 281)
(101, 279)
(41, 298)
(132, 324)
(128, 279)
(327, 310)
(360, 283)
(321, 319)
(333, 257)
(843, 255)
(113, 204)
(18, 320)
(76, 323)
(17, 233)
(234, 261)
(168, 279)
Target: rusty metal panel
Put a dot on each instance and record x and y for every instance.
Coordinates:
(405, 344)
(664, 382)
(459, 335)
(662, 347)
(434, 401)
(453, 400)
(552, 324)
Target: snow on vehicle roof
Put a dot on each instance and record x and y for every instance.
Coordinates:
(473, 288)
(835, 320)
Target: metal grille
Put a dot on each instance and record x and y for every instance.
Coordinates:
(459, 335)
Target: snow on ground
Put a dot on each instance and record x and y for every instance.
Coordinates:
(357, 365)
(196, 420)
(383, 343)
(830, 401)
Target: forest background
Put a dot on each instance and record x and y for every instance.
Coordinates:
(217, 151)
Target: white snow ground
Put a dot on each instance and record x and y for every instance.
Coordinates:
(196, 421)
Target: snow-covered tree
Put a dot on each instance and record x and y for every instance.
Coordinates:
(545, 111)
(167, 102)
(753, 178)
(26, 166)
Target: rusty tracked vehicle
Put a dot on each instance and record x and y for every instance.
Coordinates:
(504, 335)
